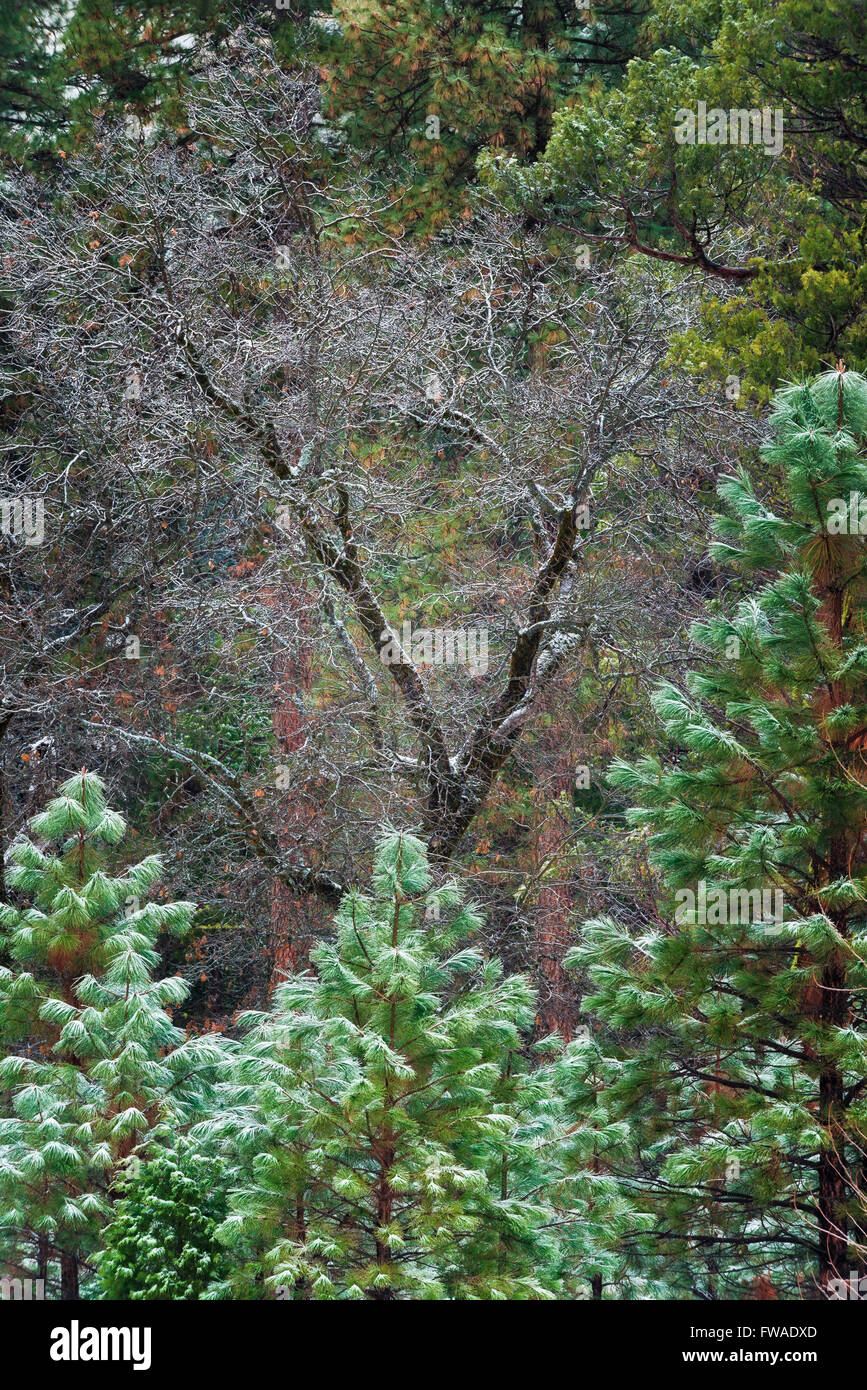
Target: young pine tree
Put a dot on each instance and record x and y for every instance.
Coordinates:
(744, 1023)
(162, 1240)
(98, 1067)
(377, 1114)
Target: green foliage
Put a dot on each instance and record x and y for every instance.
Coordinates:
(606, 1236)
(450, 80)
(386, 1131)
(30, 95)
(376, 1117)
(746, 1025)
(102, 1066)
(780, 235)
(162, 1242)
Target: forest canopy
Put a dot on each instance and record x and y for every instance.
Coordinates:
(433, 661)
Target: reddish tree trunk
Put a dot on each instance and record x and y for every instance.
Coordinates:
(834, 1176)
(294, 917)
(554, 929)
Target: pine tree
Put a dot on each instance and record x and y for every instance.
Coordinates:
(786, 234)
(740, 1013)
(141, 57)
(101, 1067)
(603, 1229)
(60, 66)
(376, 1115)
(30, 77)
(446, 80)
(162, 1240)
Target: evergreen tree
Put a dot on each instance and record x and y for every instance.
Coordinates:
(30, 77)
(62, 65)
(141, 57)
(377, 1114)
(101, 1067)
(740, 1013)
(604, 1232)
(447, 80)
(775, 224)
(162, 1240)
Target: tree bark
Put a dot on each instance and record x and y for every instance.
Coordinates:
(834, 1177)
(68, 1276)
(294, 915)
(552, 924)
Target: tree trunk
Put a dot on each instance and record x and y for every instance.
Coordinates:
(834, 1177)
(384, 1196)
(68, 1276)
(553, 929)
(4, 725)
(834, 1008)
(536, 27)
(294, 916)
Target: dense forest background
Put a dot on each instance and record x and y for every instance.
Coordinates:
(431, 546)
